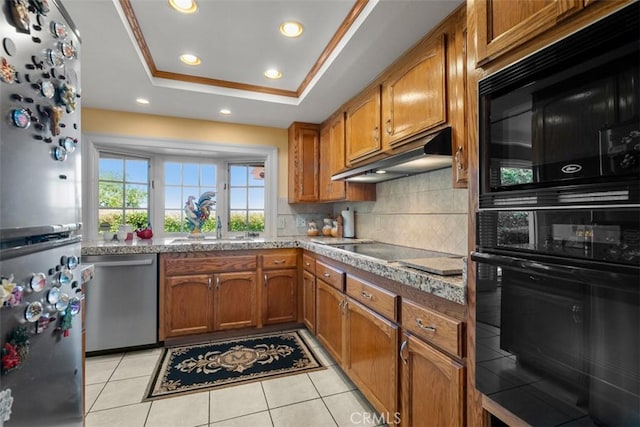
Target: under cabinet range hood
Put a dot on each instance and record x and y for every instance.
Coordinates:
(434, 154)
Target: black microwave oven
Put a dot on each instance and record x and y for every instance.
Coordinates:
(561, 127)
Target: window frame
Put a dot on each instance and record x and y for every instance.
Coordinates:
(159, 150)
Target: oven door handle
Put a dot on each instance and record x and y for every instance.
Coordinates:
(592, 276)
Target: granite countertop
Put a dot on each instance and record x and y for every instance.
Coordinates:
(451, 288)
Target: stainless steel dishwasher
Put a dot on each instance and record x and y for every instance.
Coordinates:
(122, 302)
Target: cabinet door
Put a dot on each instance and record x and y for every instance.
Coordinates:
(414, 97)
(330, 320)
(372, 356)
(304, 148)
(363, 126)
(432, 386)
(234, 301)
(336, 156)
(504, 25)
(325, 159)
(309, 300)
(188, 305)
(279, 296)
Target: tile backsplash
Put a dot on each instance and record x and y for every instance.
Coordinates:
(421, 211)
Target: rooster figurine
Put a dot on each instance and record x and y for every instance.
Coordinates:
(198, 212)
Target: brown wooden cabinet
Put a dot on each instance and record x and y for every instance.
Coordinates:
(363, 126)
(332, 147)
(234, 301)
(433, 392)
(188, 305)
(279, 286)
(279, 296)
(372, 356)
(309, 300)
(330, 319)
(414, 95)
(504, 25)
(304, 149)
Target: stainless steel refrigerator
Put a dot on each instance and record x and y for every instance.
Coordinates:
(40, 215)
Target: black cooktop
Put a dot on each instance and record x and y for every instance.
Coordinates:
(387, 252)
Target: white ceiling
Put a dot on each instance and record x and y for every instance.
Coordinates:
(237, 40)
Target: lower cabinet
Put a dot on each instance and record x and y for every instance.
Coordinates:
(372, 357)
(330, 320)
(279, 296)
(188, 305)
(432, 386)
(309, 300)
(234, 301)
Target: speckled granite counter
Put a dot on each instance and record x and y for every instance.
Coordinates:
(451, 288)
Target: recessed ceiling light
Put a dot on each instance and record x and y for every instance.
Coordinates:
(272, 73)
(190, 59)
(291, 29)
(142, 101)
(184, 6)
(225, 111)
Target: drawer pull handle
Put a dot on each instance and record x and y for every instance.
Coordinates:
(307, 264)
(326, 274)
(265, 279)
(423, 326)
(217, 282)
(402, 347)
(366, 295)
(279, 261)
(209, 283)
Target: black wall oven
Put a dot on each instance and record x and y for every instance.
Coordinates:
(558, 230)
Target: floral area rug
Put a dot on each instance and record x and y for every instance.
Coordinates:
(200, 367)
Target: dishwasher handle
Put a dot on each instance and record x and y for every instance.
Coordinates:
(122, 263)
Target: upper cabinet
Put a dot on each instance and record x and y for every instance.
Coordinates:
(363, 126)
(504, 25)
(332, 147)
(414, 96)
(304, 150)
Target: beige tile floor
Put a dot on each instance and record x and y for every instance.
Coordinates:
(115, 385)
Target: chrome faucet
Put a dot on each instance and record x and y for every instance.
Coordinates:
(218, 228)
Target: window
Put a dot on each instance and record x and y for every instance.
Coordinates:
(246, 197)
(123, 191)
(183, 180)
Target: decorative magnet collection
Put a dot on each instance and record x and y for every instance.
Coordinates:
(50, 76)
(51, 305)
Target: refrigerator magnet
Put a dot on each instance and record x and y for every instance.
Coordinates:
(65, 277)
(40, 6)
(73, 261)
(74, 305)
(7, 71)
(34, 311)
(20, 118)
(10, 292)
(59, 30)
(59, 154)
(54, 58)
(38, 282)
(63, 302)
(53, 296)
(68, 144)
(67, 96)
(20, 15)
(67, 50)
(47, 89)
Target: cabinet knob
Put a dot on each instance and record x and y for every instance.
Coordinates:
(279, 261)
(426, 327)
(326, 274)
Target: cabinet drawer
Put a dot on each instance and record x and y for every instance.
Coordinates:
(309, 264)
(177, 266)
(440, 330)
(279, 260)
(330, 275)
(377, 299)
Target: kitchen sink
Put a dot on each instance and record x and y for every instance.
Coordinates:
(214, 240)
